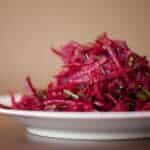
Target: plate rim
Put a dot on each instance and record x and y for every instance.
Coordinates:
(76, 115)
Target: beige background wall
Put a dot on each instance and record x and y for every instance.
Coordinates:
(29, 27)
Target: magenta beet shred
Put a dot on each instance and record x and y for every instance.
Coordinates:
(103, 75)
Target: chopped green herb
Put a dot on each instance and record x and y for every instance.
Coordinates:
(144, 94)
(147, 92)
(141, 96)
(69, 93)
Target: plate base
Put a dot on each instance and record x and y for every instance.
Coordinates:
(86, 136)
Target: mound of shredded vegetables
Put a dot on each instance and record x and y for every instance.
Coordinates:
(104, 75)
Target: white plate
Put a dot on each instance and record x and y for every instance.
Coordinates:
(83, 125)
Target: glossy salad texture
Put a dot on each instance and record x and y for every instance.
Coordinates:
(102, 75)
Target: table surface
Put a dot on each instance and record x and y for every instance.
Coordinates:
(14, 137)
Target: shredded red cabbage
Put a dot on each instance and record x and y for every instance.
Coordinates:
(104, 75)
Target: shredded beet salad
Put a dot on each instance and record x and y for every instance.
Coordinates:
(104, 75)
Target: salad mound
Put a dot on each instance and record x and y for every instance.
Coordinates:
(103, 75)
